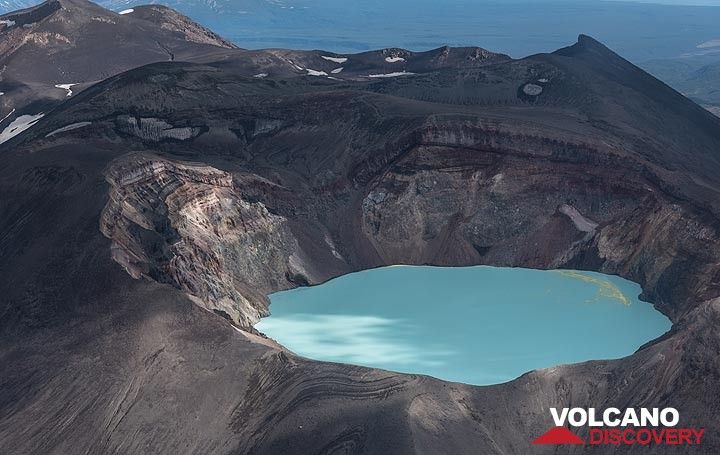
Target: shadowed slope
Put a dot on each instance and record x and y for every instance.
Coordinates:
(76, 42)
(179, 173)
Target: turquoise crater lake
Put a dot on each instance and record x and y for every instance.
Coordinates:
(478, 325)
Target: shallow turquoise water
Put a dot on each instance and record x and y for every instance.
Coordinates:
(477, 325)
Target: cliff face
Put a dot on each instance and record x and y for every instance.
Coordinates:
(189, 226)
(454, 206)
(211, 189)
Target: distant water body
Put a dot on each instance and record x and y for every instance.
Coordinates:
(638, 31)
(478, 325)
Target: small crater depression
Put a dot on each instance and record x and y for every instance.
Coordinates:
(532, 89)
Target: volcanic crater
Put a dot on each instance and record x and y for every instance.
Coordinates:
(196, 186)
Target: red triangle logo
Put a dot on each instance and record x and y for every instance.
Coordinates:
(559, 435)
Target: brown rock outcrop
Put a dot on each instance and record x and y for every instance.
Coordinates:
(187, 225)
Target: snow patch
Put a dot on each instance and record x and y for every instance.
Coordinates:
(261, 75)
(394, 59)
(7, 23)
(315, 72)
(126, 11)
(66, 87)
(395, 74)
(544, 80)
(581, 223)
(70, 127)
(335, 59)
(333, 248)
(8, 115)
(337, 70)
(19, 125)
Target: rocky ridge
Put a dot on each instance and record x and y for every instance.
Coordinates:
(193, 187)
(189, 226)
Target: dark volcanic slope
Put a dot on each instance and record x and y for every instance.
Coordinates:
(60, 47)
(78, 42)
(178, 186)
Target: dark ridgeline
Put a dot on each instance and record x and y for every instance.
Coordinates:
(213, 175)
(79, 42)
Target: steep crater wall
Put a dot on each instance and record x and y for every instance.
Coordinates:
(459, 206)
(188, 225)
(439, 196)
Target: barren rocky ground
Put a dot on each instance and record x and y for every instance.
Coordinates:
(144, 219)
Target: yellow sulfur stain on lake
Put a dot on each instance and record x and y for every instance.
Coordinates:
(605, 287)
(478, 325)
